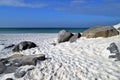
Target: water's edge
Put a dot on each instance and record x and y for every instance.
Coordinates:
(39, 30)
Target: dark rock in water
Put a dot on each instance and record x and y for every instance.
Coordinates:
(19, 74)
(75, 37)
(64, 36)
(10, 46)
(113, 48)
(2, 67)
(101, 31)
(9, 79)
(23, 46)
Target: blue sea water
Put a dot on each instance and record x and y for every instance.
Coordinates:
(39, 30)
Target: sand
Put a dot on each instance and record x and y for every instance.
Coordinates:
(85, 59)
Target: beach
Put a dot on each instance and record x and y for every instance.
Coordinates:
(84, 59)
(59, 39)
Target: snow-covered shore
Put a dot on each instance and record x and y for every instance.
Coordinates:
(85, 59)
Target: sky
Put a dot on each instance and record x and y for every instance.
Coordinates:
(58, 13)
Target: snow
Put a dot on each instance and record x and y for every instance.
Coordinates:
(85, 59)
(1, 47)
(117, 26)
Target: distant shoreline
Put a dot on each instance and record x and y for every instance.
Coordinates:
(38, 30)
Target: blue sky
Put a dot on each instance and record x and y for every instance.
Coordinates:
(58, 13)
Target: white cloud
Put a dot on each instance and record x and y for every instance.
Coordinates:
(21, 3)
(92, 7)
(75, 2)
(78, 1)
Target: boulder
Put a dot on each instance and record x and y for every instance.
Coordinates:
(64, 36)
(21, 60)
(23, 46)
(75, 37)
(100, 31)
(10, 64)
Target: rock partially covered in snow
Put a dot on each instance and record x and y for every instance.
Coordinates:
(75, 37)
(113, 48)
(100, 31)
(23, 46)
(64, 36)
(19, 59)
(10, 64)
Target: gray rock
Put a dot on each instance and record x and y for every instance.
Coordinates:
(23, 46)
(75, 37)
(113, 48)
(2, 67)
(21, 60)
(19, 74)
(64, 36)
(10, 64)
(100, 31)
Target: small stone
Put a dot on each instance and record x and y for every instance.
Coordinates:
(53, 44)
(96, 79)
(9, 79)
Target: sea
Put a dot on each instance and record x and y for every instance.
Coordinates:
(38, 30)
